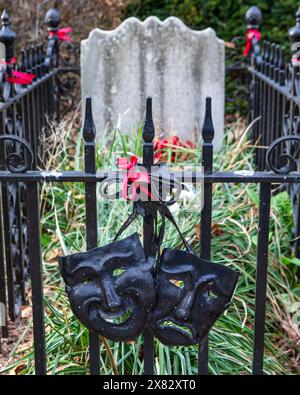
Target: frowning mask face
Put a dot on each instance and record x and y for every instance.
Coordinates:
(111, 289)
(191, 295)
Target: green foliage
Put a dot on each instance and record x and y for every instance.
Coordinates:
(226, 17)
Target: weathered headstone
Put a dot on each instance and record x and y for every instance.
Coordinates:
(2, 52)
(175, 65)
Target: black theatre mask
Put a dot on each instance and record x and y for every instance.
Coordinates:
(191, 295)
(111, 288)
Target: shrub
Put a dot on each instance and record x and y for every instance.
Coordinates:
(226, 17)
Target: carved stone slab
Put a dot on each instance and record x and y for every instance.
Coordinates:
(175, 65)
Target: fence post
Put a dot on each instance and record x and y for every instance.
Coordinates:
(148, 224)
(253, 19)
(294, 36)
(208, 133)
(52, 19)
(89, 134)
(3, 305)
(7, 37)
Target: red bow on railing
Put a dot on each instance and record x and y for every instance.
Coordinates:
(18, 77)
(63, 34)
(295, 60)
(11, 61)
(250, 33)
(133, 177)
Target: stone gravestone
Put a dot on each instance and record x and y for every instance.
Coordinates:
(175, 65)
(2, 52)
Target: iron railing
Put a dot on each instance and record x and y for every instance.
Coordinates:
(272, 81)
(26, 112)
(33, 178)
(22, 117)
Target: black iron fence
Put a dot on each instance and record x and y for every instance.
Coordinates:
(27, 107)
(269, 74)
(33, 178)
(269, 78)
(274, 97)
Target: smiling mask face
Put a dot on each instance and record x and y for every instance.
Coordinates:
(191, 295)
(111, 289)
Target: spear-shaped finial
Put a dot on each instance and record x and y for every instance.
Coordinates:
(208, 131)
(5, 18)
(89, 130)
(148, 130)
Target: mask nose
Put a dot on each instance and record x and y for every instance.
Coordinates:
(112, 298)
(184, 308)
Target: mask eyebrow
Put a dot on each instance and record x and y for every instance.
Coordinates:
(117, 261)
(70, 264)
(83, 268)
(179, 269)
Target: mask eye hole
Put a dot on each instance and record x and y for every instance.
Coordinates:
(117, 272)
(213, 294)
(177, 283)
(86, 279)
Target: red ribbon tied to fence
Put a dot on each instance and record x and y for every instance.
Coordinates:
(250, 33)
(133, 178)
(18, 77)
(63, 34)
(11, 61)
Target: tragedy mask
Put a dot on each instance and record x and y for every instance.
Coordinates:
(191, 294)
(111, 288)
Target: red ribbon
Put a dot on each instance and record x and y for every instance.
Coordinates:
(133, 177)
(11, 61)
(20, 78)
(62, 34)
(250, 33)
(295, 60)
(7, 63)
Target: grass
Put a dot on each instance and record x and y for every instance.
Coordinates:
(235, 215)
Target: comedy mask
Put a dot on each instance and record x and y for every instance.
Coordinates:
(111, 289)
(191, 294)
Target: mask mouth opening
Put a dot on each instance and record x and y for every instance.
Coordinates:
(123, 317)
(115, 318)
(183, 329)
